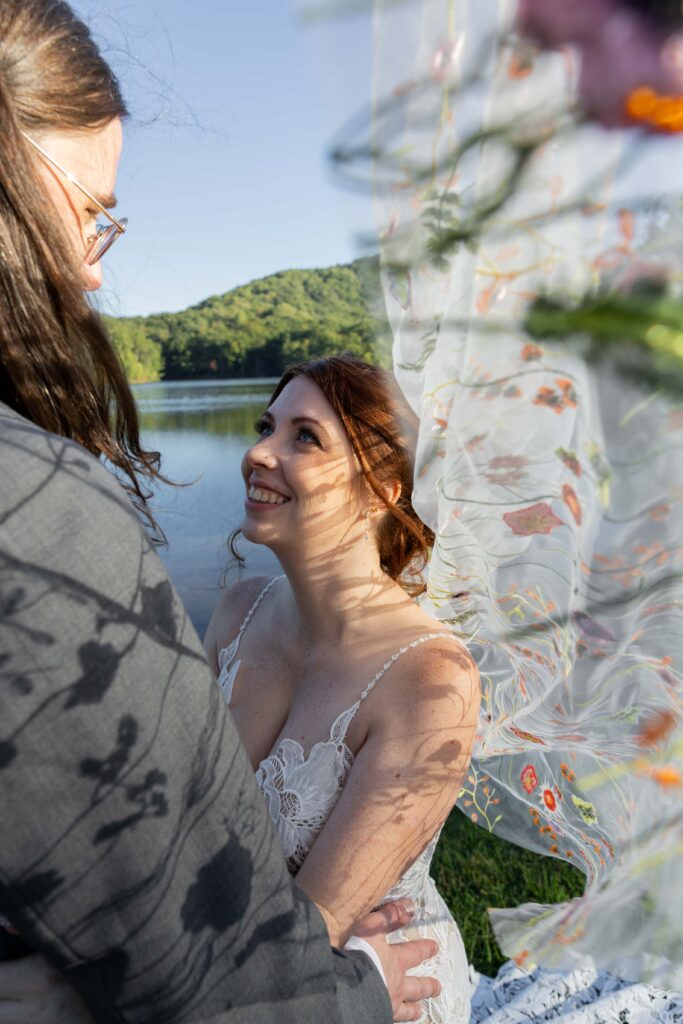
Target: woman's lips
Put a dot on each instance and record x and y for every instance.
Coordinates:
(264, 497)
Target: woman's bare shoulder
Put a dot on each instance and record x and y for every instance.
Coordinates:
(232, 607)
(432, 675)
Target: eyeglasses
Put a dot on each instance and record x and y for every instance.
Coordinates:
(106, 234)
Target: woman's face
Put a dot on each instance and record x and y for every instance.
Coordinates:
(92, 157)
(304, 484)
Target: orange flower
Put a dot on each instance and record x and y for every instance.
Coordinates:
(572, 503)
(531, 352)
(557, 400)
(656, 728)
(549, 799)
(567, 389)
(667, 776)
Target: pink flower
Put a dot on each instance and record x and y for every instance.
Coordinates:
(538, 518)
(621, 53)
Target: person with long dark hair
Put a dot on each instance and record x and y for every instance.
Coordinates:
(136, 853)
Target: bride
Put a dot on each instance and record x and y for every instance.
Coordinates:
(356, 709)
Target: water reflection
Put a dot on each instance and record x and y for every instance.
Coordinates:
(201, 429)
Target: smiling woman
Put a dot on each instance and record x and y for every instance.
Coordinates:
(357, 782)
(337, 435)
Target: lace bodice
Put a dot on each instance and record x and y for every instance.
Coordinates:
(301, 791)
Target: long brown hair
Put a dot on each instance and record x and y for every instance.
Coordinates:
(57, 365)
(382, 430)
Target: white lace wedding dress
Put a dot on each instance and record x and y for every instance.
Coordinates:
(301, 792)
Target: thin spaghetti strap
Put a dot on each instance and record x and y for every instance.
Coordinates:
(226, 656)
(343, 721)
(250, 614)
(398, 654)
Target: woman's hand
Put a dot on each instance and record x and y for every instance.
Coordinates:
(33, 992)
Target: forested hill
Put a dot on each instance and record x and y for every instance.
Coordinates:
(257, 329)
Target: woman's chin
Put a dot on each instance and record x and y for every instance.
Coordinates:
(256, 533)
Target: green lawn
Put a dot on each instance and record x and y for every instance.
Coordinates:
(475, 870)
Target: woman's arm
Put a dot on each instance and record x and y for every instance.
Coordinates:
(401, 787)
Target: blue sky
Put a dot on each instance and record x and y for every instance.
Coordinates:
(223, 175)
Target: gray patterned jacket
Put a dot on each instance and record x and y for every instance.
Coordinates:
(135, 849)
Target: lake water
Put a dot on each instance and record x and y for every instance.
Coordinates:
(202, 429)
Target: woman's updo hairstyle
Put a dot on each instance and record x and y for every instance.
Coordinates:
(382, 429)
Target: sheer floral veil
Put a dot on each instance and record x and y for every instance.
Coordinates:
(554, 483)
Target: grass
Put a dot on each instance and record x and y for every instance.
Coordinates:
(475, 870)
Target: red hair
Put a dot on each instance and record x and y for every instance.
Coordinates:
(382, 429)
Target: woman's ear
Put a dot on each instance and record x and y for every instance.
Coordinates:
(391, 492)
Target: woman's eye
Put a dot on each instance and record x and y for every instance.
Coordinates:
(263, 427)
(308, 436)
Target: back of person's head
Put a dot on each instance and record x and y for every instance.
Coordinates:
(57, 366)
(382, 430)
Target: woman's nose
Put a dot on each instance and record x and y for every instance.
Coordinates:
(262, 454)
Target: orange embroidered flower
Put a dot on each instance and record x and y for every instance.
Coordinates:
(558, 399)
(657, 728)
(572, 503)
(549, 799)
(529, 779)
(567, 772)
(531, 352)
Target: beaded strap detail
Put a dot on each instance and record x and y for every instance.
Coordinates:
(397, 654)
